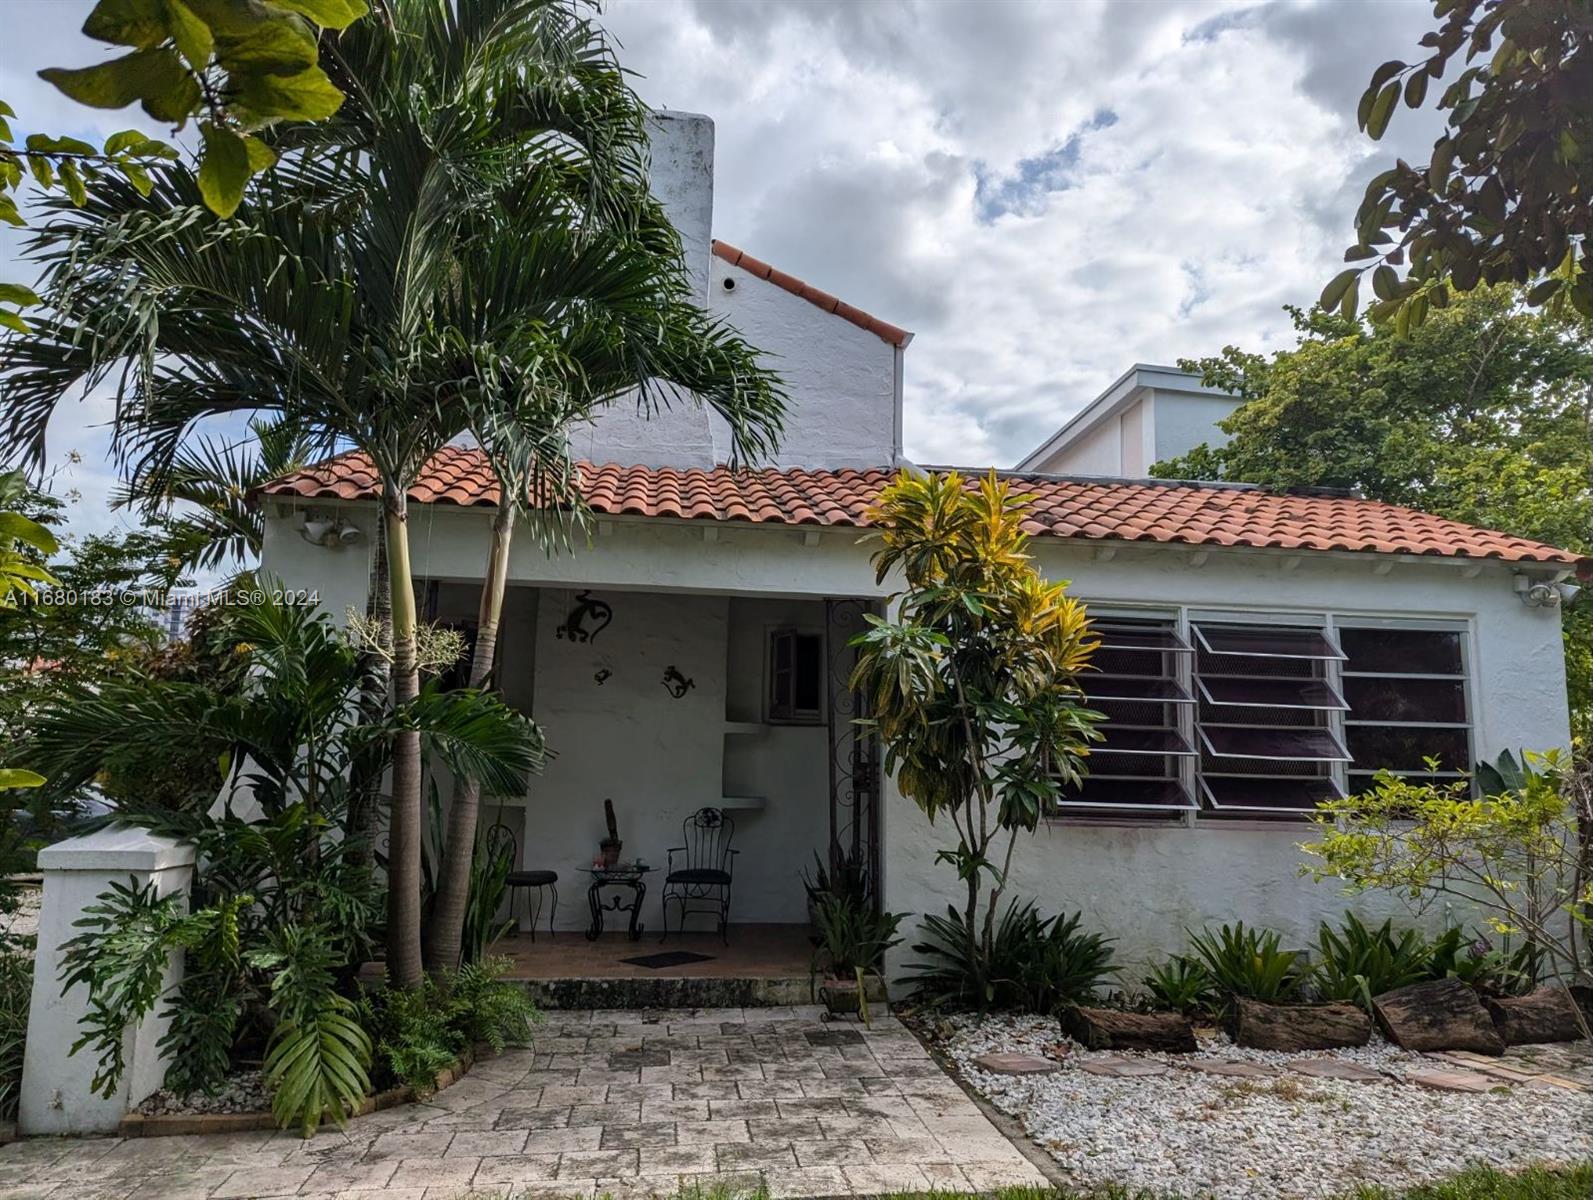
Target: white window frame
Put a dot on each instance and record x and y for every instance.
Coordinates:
(1184, 618)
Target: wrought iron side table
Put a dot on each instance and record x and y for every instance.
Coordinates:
(634, 878)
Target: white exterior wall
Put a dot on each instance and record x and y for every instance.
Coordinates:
(845, 397)
(1140, 883)
(1183, 420)
(682, 180)
(1146, 884)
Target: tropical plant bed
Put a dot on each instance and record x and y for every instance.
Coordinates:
(193, 1120)
(1234, 1123)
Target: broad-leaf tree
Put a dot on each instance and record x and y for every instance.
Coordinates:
(1481, 414)
(239, 67)
(466, 246)
(1503, 195)
(972, 683)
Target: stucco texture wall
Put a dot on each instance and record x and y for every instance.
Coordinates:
(1144, 884)
(1141, 884)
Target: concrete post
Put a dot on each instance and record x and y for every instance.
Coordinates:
(56, 1096)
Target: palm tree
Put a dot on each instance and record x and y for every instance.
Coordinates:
(201, 505)
(468, 246)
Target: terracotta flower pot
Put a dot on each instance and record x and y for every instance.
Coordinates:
(611, 851)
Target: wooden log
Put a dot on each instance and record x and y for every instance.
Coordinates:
(1294, 1027)
(1443, 1014)
(1111, 1029)
(1546, 1014)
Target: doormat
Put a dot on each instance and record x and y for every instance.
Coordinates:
(668, 958)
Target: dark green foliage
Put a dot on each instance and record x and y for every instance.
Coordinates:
(844, 876)
(16, 991)
(852, 935)
(1036, 964)
(1503, 195)
(420, 1031)
(1181, 985)
(1355, 962)
(1249, 962)
(1474, 960)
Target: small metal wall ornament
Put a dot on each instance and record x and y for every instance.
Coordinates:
(677, 683)
(586, 609)
(603, 676)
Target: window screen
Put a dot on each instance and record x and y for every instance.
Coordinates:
(1406, 691)
(796, 676)
(1135, 681)
(1263, 721)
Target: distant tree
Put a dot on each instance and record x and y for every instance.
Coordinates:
(1504, 195)
(1481, 414)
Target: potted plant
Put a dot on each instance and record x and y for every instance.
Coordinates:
(844, 876)
(850, 949)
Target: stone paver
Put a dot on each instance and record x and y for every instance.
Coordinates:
(1335, 1068)
(1016, 1064)
(1452, 1081)
(624, 1103)
(1231, 1067)
(1125, 1068)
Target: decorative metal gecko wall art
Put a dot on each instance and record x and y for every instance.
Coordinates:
(677, 683)
(586, 609)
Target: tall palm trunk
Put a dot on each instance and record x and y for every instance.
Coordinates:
(445, 931)
(403, 852)
(375, 688)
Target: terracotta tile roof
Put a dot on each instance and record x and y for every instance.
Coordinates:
(1129, 510)
(884, 329)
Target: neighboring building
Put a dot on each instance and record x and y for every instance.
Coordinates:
(1148, 415)
(1263, 650)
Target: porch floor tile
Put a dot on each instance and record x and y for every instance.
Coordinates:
(523, 1135)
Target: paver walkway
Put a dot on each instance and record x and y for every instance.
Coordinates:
(627, 1103)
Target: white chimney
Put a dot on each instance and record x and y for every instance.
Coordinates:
(683, 182)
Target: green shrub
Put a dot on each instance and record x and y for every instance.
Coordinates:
(1248, 962)
(418, 1033)
(852, 937)
(1036, 964)
(1475, 961)
(16, 990)
(1356, 962)
(1181, 985)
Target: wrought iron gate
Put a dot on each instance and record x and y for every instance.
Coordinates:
(854, 756)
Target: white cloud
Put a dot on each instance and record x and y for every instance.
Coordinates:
(1044, 192)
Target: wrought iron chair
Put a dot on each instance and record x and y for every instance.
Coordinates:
(500, 839)
(698, 875)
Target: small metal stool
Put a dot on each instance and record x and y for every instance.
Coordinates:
(500, 839)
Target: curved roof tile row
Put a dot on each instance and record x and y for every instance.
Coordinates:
(1126, 510)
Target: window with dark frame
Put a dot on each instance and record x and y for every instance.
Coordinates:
(1135, 680)
(1406, 690)
(1263, 719)
(796, 676)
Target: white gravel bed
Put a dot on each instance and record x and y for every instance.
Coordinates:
(1286, 1138)
(241, 1092)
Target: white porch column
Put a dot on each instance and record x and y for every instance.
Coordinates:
(56, 1096)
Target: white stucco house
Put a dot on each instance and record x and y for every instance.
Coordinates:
(1262, 650)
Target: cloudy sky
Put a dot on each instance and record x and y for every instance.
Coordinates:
(1044, 192)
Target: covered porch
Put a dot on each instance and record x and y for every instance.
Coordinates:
(667, 703)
